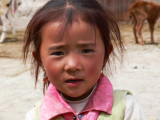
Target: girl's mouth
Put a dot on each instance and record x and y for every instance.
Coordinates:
(73, 82)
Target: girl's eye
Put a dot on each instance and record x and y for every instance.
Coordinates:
(87, 51)
(59, 53)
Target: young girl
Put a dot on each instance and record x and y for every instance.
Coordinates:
(72, 40)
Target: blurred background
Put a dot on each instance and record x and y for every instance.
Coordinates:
(140, 72)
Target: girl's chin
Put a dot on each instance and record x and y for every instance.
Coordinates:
(76, 97)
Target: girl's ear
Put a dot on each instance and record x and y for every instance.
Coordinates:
(34, 54)
(110, 49)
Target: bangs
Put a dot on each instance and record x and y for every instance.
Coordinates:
(66, 17)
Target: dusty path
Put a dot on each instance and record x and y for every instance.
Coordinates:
(140, 74)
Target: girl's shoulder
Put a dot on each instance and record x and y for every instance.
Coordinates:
(133, 110)
(34, 113)
(31, 114)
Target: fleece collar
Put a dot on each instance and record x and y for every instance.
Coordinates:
(54, 105)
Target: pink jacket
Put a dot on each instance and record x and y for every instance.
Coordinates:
(101, 100)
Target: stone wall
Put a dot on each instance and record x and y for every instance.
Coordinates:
(157, 1)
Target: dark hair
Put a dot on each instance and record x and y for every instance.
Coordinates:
(67, 12)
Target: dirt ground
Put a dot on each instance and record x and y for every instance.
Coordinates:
(139, 74)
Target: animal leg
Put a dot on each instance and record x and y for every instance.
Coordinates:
(13, 28)
(135, 33)
(151, 27)
(134, 23)
(139, 28)
(3, 34)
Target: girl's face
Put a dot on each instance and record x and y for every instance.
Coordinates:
(73, 64)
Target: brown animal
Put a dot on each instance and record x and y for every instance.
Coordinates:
(141, 11)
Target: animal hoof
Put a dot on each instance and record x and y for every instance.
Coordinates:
(142, 43)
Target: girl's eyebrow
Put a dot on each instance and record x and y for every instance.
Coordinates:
(86, 44)
(57, 47)
(78, 45)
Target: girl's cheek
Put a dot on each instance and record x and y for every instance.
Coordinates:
(95, 65)
(52, 66)
(92, 68)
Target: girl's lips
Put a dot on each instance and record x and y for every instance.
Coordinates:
(73, 82)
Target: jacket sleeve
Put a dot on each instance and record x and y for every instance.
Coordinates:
(133, 109)
(30, 115)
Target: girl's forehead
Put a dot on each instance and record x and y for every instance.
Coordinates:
(57, 31)
(61, 26)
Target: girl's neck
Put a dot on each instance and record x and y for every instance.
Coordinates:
(78, 99)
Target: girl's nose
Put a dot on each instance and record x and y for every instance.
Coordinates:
(72, 64)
